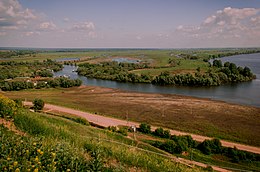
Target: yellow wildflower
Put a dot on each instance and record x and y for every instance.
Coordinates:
(17, 170)
(36, 159)
(41, 152)
(68, 170)
(8, 159)
(35, 170)
(53, 154)
(15, 163)
(34, 144)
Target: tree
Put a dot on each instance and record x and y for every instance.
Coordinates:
(145, 128)
(159, 132)
(217, 63)
(38, 104)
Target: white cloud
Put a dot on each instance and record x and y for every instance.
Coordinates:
(13, 15)
(83, 26)
(31, 33)
(47, 26)
(66, 19)
(230, 26)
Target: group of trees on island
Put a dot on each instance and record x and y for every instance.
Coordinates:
(217, 74)
(114, 71)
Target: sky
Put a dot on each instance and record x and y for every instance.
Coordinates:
(129, 23)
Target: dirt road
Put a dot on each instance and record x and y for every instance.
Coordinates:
(108, 121)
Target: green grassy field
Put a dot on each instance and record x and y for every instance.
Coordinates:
(49, 134)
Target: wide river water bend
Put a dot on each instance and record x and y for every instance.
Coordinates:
(247, 93)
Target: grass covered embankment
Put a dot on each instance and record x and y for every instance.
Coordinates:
(201, 116)
(53, 143)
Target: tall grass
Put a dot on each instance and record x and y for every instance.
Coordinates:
(114, 147)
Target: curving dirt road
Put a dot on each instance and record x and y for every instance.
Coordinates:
(109, 121)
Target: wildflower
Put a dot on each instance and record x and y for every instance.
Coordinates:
(38, 150)
(68, 170)
(27, 151)
(34, 144)
(41, 152)
(28, 169)
(35, 170)
(36, 159)
(8, 159)
(53, 154)
(15, 163)
(17, 170)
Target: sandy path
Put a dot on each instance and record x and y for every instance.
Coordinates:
(108, 121)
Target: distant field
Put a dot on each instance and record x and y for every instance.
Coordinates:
(201, 116)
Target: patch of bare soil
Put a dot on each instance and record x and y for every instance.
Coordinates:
(10, 125)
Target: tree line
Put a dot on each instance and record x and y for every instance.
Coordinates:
(12, 69)
(217, 74)
(48, 83)
(178, 144)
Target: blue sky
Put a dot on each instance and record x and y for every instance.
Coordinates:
(130, 23)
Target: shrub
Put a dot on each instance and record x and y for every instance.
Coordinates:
(162, 133)
(38, 104)
(123, 130)
(8, 107)
(145, 128)
(81, 121)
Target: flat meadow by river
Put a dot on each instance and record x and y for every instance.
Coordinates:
(196, 115)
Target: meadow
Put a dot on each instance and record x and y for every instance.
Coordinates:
(200, 116)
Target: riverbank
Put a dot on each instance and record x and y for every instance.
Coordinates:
(195, 115)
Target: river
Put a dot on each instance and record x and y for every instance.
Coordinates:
(247, 93)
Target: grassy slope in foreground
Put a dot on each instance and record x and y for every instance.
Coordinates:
(82, 140)
(201, 116)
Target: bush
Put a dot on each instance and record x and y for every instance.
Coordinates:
(162, 133)
(123, 130)
(145, 128)
(38, 104)
(8, 107)
(81, 121)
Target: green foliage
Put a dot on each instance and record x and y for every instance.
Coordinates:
(8, 107)
(217, 63)
(230, 73)
(114, 71)
(97, 162)
(162, 133)
(38, 104)
(121, 130)
(18, 102)
(47, 83)
(145, 128)
(81, 121)
(12, 69)
(34, 154)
